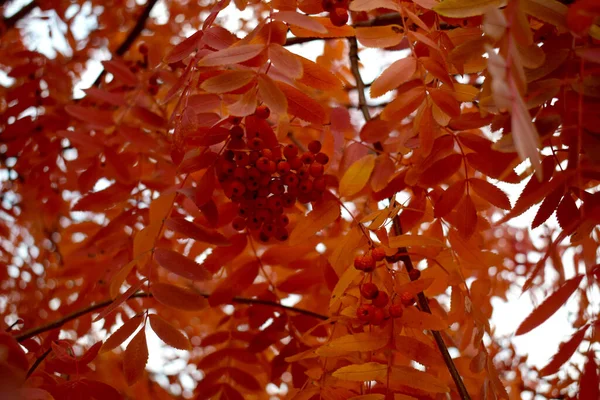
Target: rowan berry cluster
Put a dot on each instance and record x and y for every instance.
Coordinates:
(338, 11)
(376, 312)
(266, 179)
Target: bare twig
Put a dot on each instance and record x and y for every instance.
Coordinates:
(402, 252)
(239, 300)
(133, 35)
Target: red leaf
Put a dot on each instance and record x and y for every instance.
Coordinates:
(196, 232)
(92, 116)
(181, 265)
(549, 306)
(168, 333)
(185, 48)
(565, 351)
(567, 211)
(178, 297)
(548, 206)
(588, 383)
(121, 334)
(239, 280)
(135, 357)
(120, 71)
(466, 217)
(449, 199)
(441, 170)
(490, 192)
(302, 105)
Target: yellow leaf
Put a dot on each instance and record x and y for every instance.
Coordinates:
(466, 8)
(407, 376)
(343, 252)
(341, 286)
(413, 240)
(160, 208)
(357, 342)
(356, 177)
(361, 372)
(380, 36)
(413, 318)
(322, 215)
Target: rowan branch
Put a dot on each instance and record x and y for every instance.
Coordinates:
(89, 309)
(402, 252)
(133, 35)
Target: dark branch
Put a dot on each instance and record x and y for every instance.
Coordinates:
(133, 35)
(360, 85)
(239, 300)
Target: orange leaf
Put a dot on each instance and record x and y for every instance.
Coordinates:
(244, 379)
(332, 30)
(382, 173)
(238, 281)
(318, 77)
(181, 265)
(168, 333)
(407, 376)
(362, 342)
(380, 36)
(178, 297)
(490, 192)
(466, 217)
(375, 130)
(185, 48)
(416, 350)
(121, 334)
(323, 214)
(160, 208)
(549, 306)
(395, 75)
(227, 81)
(369, 5)
(413, 240)
(466, 8)
(565, 351)
(403, 105)
(415, 287)
(135, 357)
(271, 95)
(449, 199)
(120, 71)
(92, 116)
(361, 372)
(232, 55)
(285, 61)
(413, 318)
(445, 101)
(548, 206)
(299, 20)
(356, 177)
(302, 105)
(119, 300)
(196, 232)
(117, 280)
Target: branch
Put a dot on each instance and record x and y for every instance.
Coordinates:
(239, 300)
(402, 251)
(424, 305)
(133, 35)
(11, 21)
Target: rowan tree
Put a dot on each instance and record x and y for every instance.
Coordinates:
(210, 175)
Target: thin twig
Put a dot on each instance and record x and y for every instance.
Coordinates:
(239, 300)
(38, 361)
(402, 252)
(133, 35)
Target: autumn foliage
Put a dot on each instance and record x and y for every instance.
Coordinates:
(290, 229)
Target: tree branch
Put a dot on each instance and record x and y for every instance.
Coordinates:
(401, 252)
(133, 35)
(239, 300)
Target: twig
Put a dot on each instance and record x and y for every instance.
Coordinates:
(11, 21)
(135, 32)
(402, 252)
(424, 305)
(240, 300)
(37, 362)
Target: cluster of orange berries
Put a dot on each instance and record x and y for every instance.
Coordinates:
(376, 312)
(338, 11)
(264, 179)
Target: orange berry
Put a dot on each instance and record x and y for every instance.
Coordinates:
(339, 16)
(365, 312)
(381, 300)
(369, 290)
(378, 253)
(316, 169)
(262, 112)
(414, 274)
(407, 299)
(396, 310)
(378, 317)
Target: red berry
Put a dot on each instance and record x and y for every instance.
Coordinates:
(414, 274)
(242, 159)
(368, 262)
(314, 146)
(256, 143)
(283, 220)
(369, 290)
(262, 112)
(291, 180)
(304, 198)
(254, 156)
(236, 132)
(307, 158)
(381, 300)
(143, 48)
(319, 184)
(342, 3)
(282, 234)
(238, 188)
(305, 186)
(378, 317)
(295, 163)
(263, 164)
(283, 167)
(240, 173)
(322, 158)
(252, 185)
(316, 169)
(276, 187)
(274, 202)
(288, 200)
(396, 310)
(407, 298)
(378, 253)
(365, 312)
(235, 120)
(267, 153)
(269, 229)
(339, 16)
(238, 223)
(303, 172)
(290, 151)
(328, 5)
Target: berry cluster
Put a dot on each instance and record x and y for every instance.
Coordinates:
(368, 262)
(378, 310)
(338, 11)
(264, 178)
